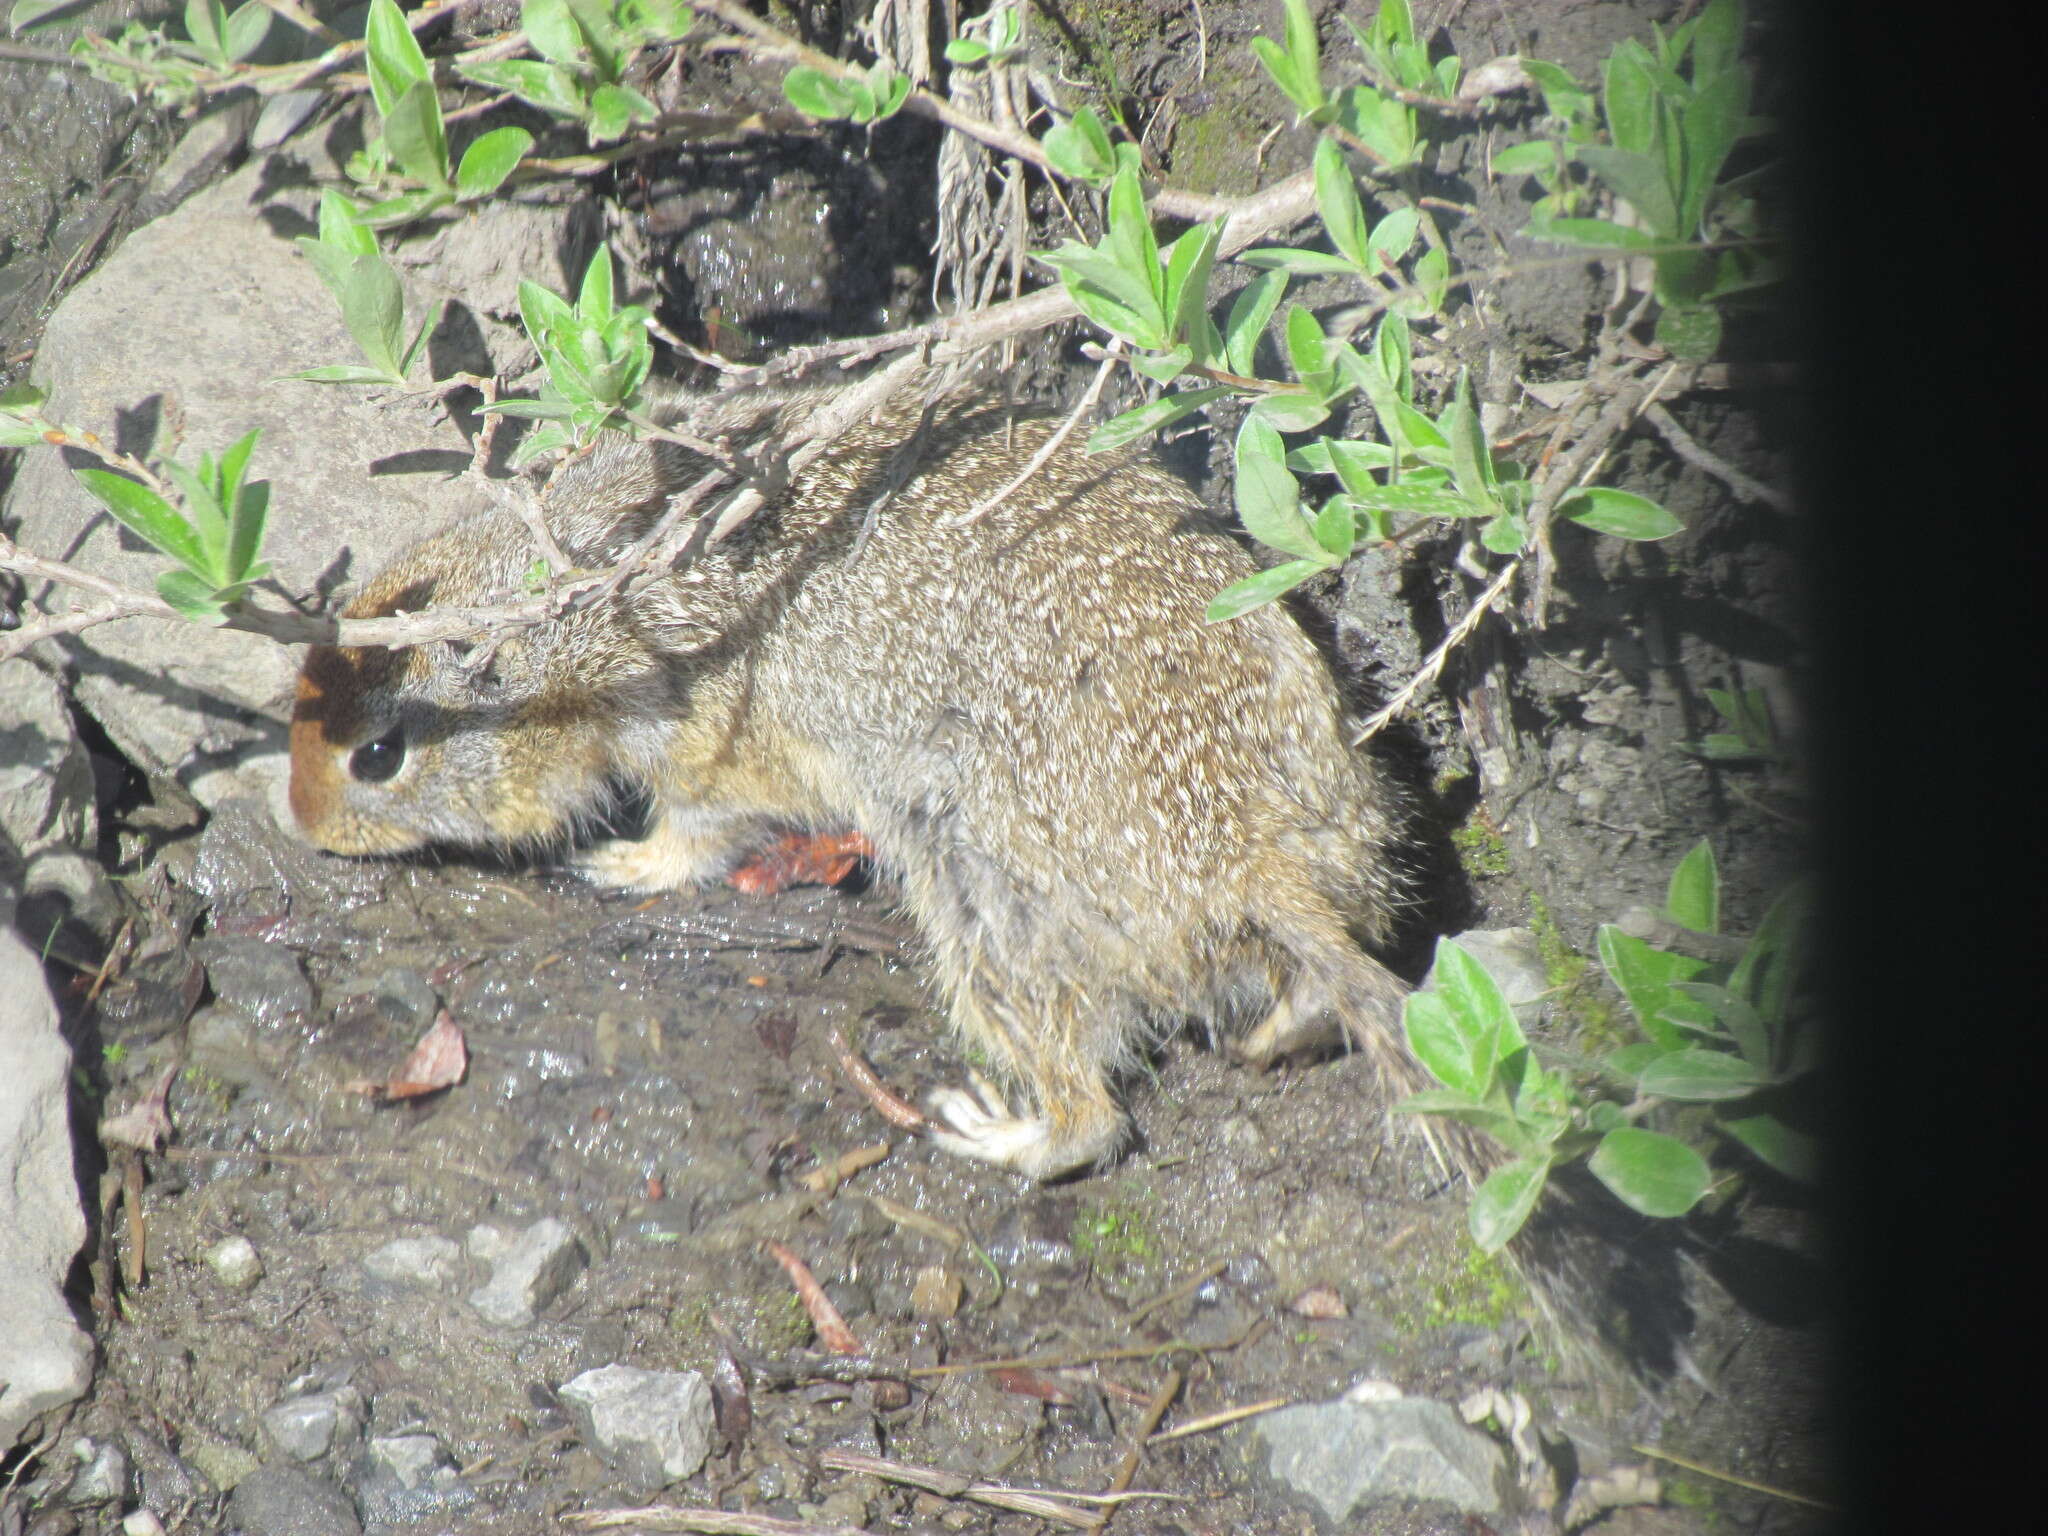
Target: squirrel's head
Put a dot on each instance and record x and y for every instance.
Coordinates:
(506, 741)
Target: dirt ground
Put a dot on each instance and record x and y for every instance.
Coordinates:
(660, 1076)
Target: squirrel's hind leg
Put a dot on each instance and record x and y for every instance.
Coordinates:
(1040, 1046)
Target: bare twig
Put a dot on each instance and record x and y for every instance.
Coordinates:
(1046, 1506)
(706, 1522)
(1218, 1420)
(1687, 448)
(1155, 1410)
(1433, 666)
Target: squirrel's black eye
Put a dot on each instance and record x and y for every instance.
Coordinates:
(375, 761)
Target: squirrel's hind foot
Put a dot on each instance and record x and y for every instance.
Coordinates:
(1038, 1146)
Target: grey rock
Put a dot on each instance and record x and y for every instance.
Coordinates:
(225, 1466)
(307, 1427)
(407, 1478)
(247, 863)
(222, 1043)
(266, 981)
(1345, 1455)
(653, 1426)
(47, 803)
(208, 146)
(102, 1476)
(235, 1263)
(284, 1500)
(45, 1360)
(536, 1267)
(185, 331)
(431, 1262)
(167, 1479)
(1515, 962)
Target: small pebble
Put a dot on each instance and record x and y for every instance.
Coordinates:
(235, 1263)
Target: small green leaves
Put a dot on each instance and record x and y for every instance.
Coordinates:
(1080, 148)
(1146, 419)
(585, 47)
(216, 538)
(1268, 498)
(596, 353)
(1297, 68)
(1004, 34)
(862, 97)
(371, 299)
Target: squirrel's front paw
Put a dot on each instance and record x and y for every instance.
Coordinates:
(674, 855)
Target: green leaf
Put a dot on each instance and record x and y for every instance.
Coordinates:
(1471, 461)
(1505, 533)
(1644, 976)
(1690, 332)
(547, 86)
(1410, 500)
(1336, 528)
(1297, 70)
(1268, 496)
(1393, 237)
(146, 514)
(1337, 201)
(1630, 1061)
(1392, 351)
(969, 50)
(1257, 590)
(817, 94)
(1353, 463)
(406, 207)
(204, 513)
(396, 63)
(1502, 1204)
(1146, 419)
(1163, 367)
(194, 598)
(417, 140)
(1286, 259)
(594, 298)
(1249, 312)
(1777, 1145)
(247, 29)
(1533, 158)
(1467, 986)
(1713, 122)
(338, 226)
(1291, 411)
(1770, 966)
(1432, 275)
(1699, 1076)
(372, 302)
(1185, 297)
(1602, 234)
(1694, 898)
(1649, 1172)
(890, 88)
(1619, 513)
(551, 27)
(489, 160)
(29, 13)
(1130, 242)
(340, 373)
(1630, 98)
(1080, 147)
(1640, 179)
(1120, 301)
(206, 23)
(1307, 347)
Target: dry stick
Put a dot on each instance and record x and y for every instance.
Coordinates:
(1051, 445)
(1615, 415)
(1196, 1281)
(951, 1485)
(1729, 1477)
(1683, 444)
(1127, 1469)
(1433, 666)
(707, 1522)
(1210, 1421)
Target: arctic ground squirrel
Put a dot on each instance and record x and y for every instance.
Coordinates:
(1106, 816)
